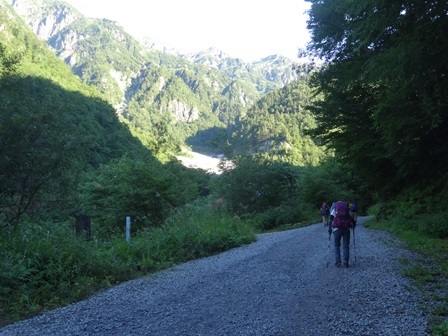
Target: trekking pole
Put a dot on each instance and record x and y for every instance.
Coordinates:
(329, 250)
(354, 245)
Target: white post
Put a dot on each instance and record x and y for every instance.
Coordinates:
(128, 228)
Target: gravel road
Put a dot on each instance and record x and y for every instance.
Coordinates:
(279, 285)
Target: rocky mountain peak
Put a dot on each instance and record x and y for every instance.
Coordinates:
(45, 24)
(153, 44)
(212, 57)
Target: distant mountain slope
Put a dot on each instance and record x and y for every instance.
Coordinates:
(267, 74)
(49, 18)
(102, 54)
(274, 127)
(54, 128)
(207, 90)
(88, 111)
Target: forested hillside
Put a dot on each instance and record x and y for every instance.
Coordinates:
(275, 126)
(385, 93)
(53, 127)
(193, 98)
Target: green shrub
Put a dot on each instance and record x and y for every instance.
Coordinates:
(435, 225)
(284, 215)
(431, 225)
(380, 211)
(143, 189)
(254, 186)
(45, 265)
(440, 330)
(191, 232)
(439, 318)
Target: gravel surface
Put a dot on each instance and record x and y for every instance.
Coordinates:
(279, 285)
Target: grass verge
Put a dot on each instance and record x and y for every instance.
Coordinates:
(45, 265)
(429, 273)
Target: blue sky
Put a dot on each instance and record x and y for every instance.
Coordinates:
(249, 29)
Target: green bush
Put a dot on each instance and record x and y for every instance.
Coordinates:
(332, 182)
(434, 225)
(143, 189)
(440, 330)
(439, 318)
(45, 265)
(191, 232)
(254, 186)
(282, 216)
(431, 225)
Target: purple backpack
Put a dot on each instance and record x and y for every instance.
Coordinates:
(342, 218)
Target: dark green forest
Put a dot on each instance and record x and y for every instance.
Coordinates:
(385, 96)
(365, 119)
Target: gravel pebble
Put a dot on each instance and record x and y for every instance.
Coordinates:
(283, 284)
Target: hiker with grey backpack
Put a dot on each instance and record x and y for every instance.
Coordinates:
(342, 223)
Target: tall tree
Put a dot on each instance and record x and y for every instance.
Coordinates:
(385, 83)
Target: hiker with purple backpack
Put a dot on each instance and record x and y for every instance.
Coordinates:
(342, 223)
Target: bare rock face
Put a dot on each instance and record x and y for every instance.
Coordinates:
(67, 46)
(183, 112)
(44, 24)
(58, 20)
(276, 68)
(46, 21)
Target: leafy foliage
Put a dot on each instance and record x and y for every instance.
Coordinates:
(275, 126)
(385, 88)
(274, 193)
(44, 266)
(254, 186)
(331, 182)
(144, 189)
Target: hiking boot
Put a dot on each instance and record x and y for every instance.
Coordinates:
(338, 264)
(345, 264)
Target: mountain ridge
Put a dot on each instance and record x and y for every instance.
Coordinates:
(193, 97)
(46, 24)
